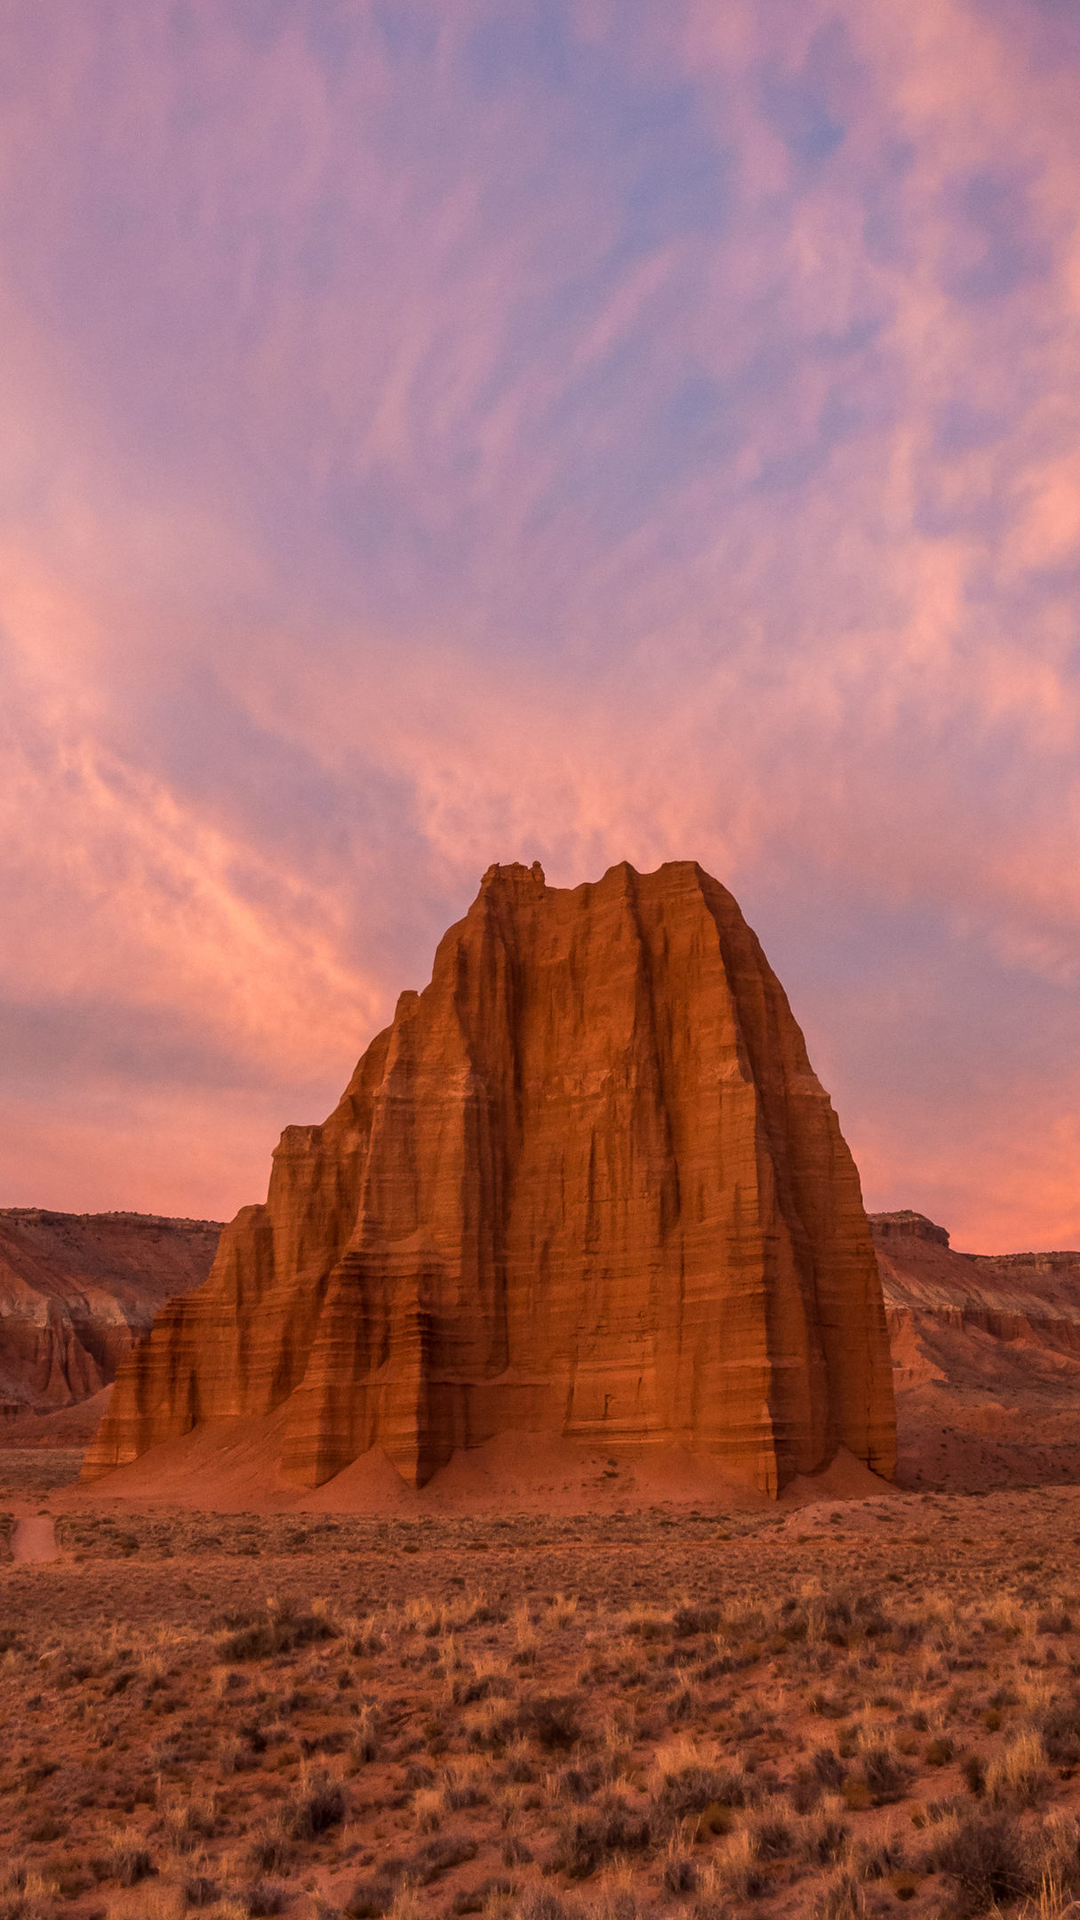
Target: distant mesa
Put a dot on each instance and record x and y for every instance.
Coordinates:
(76, 1291)
(906, 1225)
(586, 1187)
(986, 1359)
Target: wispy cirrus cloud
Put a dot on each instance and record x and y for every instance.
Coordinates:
(571, 431)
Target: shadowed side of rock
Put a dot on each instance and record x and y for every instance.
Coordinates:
(585, 1185)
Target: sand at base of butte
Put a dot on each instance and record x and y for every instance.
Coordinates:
(232, 1466)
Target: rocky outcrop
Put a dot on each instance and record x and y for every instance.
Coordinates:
(77, 1290)
(986, 1358)
(1013, 1296)
(585, 1185)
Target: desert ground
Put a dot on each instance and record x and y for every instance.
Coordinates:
(861, 1705)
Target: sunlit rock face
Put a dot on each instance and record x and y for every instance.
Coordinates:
(586, 1184)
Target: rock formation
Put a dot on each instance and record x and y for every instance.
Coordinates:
(77, 1289)
(986, 1358)
(586, 1184)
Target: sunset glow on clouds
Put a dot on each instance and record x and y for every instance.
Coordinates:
(566, 431)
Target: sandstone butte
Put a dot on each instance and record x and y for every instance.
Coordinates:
(585, 1185)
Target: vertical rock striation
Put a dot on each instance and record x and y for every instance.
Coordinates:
(586, 1184)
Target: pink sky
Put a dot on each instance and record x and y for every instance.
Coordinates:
(570, 431)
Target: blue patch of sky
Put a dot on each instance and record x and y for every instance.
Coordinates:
(886, 231)
(996, 211)
(190, 731)
(808, 131)
(624, 429)
(1046, 31)
(259, 23)
(960, 427)
(409, 33)
(861, 977)
(533, 42)
(806, 106)
(643, 141)
(49, 1047)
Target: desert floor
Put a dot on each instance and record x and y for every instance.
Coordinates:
(868, 1706)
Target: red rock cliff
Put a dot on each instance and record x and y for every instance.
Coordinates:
(586, 1184)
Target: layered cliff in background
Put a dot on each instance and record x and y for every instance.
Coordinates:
(986, 1359)
(76, 1290)
(586, 1185)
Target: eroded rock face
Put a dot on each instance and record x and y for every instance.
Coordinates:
(76, 1291)
(986, 1359)
(586, 1184)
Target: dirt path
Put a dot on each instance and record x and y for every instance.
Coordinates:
(34, 1538)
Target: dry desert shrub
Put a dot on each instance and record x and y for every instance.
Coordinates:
(737, 1871)
(278, 1630)
(885, 1774)
(264, 1898)
(129, 1859)
(527, 1640)
(560, 1612)
(1059, 1724)
(824, 1838)
(1019, 1776)
(365, 1636)
(839, 1897)
(688, 1621)
(828, 1769)
(199, 1888)
(489, 1725)
(687, 1779)
(772, 1836)
(429, 1808)
(587, 1841)
(989, 1858)
(540, 1903)
(186, 1823)
(269, 1848)
(680, 1871)
(644, 1622)
(370, 1898)
(684, 1701)
(26, 1896)
(880, 1858)
(486, 1675)
(466, 1784)
(552, 1720)
(806, 1793)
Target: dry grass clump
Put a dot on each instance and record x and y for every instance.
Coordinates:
(277, 1630)
(1018, 1776)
